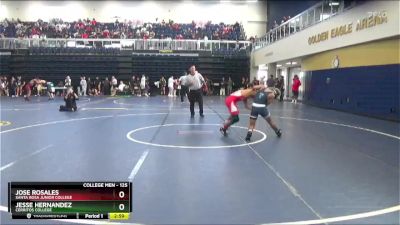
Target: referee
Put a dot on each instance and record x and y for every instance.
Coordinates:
(194, 81)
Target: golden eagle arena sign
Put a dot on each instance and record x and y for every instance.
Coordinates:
(374, 19)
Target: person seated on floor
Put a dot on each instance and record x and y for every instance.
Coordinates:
(70, 101)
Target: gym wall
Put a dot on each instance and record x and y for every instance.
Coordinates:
(366, 81)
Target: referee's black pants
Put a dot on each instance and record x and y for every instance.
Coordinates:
(183, 91)
(195, 96)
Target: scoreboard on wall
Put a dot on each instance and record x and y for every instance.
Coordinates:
(70, 200)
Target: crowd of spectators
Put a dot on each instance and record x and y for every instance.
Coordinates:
(132, 29)
(14, 86)
(136, 85)
(284, 19)
(276, 32)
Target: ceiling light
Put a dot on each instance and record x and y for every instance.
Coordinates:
(278, 65)
(262, 67)
(333, 3)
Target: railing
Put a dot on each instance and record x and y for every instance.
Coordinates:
(322, 11)
(129, 44)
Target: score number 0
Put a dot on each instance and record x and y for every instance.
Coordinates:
(121, 206)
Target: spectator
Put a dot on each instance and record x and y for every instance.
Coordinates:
(295, 88)
(13, 87)
(90, 86)
(271, 81)
(137, 86)
(131, 85)
(246, 83)
(281, 86)
(97, 86)
(178, 87)
(222, 88)
(3, 86)
(83, 86)
(143, 86)
(50, 90)
(275, 24)
(255, 81)
(175, 87)
(147, 86)
(162, 85)
(19, 86)
(106, 86)
(230, 85)
(205, 86)
(86, 28)
(68, 82)
(243, 83)
(93, 89)
(171, 86)
(121, 86)
(210, 87)
(114, 84)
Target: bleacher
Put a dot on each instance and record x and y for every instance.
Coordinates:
(54, 58)
(53, 63)
(73, 51)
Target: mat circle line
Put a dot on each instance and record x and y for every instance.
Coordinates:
(128, 135)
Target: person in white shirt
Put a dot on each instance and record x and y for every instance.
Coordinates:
(143, 85)
(114, 84)
(171, 86)
(83, 84)
(67, 82)
(195, 82)
(121, 86)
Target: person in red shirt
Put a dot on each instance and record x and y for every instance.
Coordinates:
(88, 29)
(295, 88)
(106, 33)
(85, 35)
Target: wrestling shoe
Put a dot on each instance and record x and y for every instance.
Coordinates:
(223, 131)
(278, 133)
(248, 136)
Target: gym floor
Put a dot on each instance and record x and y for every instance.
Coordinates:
(329, 167)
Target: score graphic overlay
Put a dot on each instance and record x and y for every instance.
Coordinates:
(70, 200)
